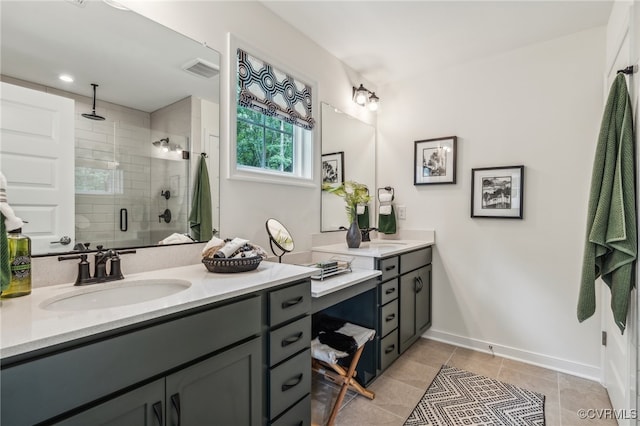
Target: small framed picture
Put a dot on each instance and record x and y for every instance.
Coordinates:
(497, 192)
(435, 161)
(333, 167)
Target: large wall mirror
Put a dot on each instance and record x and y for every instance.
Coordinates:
(349, 153)
(131, 167)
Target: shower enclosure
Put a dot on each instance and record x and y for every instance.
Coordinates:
(125, 183)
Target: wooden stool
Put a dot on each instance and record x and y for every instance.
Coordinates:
(325, 357)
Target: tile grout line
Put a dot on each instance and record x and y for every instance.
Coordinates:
(559, 400)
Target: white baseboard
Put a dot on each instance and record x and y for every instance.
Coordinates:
(590, 372)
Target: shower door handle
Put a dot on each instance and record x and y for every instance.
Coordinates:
(64, 240)
(124, 220)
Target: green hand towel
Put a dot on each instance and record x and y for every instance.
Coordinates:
(387, 222)
(611, 246)
(200, 219)
(5, 266)
(363, 219)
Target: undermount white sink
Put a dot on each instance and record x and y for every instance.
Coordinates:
(119, 293)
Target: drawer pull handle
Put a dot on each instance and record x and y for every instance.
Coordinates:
(157, 410)
(291, 302)
(390, 268)
(390, 317)
(175, 401)
(390, 290)
(291, 383)
(291, 339)
(390, 349)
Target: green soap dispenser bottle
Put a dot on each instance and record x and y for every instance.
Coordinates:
(20, 260)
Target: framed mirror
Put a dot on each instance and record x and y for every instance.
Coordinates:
(350, 144)
(158, 92)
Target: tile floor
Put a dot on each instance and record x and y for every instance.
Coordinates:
(400, 387)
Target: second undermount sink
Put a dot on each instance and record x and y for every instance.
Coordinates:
(383, 244)
(109, 295)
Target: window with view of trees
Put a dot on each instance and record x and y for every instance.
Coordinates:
(264, 142)
(274, 120)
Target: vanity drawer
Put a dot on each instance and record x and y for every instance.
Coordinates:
(389, 291)
(388, 349)
(415, 259)
(388, 318)
(289, 340)
(389, 267)
(289, 302)
(289, 382)
(298, 415)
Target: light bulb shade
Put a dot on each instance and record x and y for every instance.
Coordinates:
(361, 95)
(373, 102)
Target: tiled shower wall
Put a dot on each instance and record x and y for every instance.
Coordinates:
(169, 170)
(121, 145)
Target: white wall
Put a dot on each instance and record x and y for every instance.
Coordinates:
(509, 283)
(245, 206)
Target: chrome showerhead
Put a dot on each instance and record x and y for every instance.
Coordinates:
(93, 115)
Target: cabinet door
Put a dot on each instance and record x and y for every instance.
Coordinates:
(415, 305)
(222, 390)
(140, 407)
(423, 300)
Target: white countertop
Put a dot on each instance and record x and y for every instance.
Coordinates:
(375, 248)
(338, 282)
(25, 326)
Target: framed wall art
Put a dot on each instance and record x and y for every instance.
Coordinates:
(435, 161)
(333, 167)
(497, 192)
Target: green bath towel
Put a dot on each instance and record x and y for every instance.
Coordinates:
(5, 266)
(611, 240)
(387, 222)
(363, 219)
(200, 219)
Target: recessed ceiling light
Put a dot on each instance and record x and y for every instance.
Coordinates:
(66, 78)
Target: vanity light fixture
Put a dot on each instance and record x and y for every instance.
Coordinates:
(163, 144)
(363, 96)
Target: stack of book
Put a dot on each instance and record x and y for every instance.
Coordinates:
(328, 266)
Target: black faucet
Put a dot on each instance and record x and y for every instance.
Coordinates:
(101, 258)
(365, 233)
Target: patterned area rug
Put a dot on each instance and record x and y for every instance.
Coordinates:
(458, 397)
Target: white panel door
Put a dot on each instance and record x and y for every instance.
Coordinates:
(618, 357)
(37, 158)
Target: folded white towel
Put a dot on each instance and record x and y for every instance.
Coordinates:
(11, 221)
(385, 197)
(212, 246)
(360, 209)
(176, 238)
(385, 210)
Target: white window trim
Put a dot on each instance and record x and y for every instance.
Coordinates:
(235, 172)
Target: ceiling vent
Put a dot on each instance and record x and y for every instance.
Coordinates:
(201, 68)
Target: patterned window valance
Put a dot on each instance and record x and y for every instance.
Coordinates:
(273, 92)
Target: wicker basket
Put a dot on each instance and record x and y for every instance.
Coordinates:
(223, 265)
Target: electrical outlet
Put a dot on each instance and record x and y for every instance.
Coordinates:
(402, 212)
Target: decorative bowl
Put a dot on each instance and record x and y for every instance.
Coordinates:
(233, 265)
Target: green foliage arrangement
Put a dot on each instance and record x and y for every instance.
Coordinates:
(354, 193)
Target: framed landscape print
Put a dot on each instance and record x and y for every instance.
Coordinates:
(496, 192)
(333, 167)
(435, 161)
